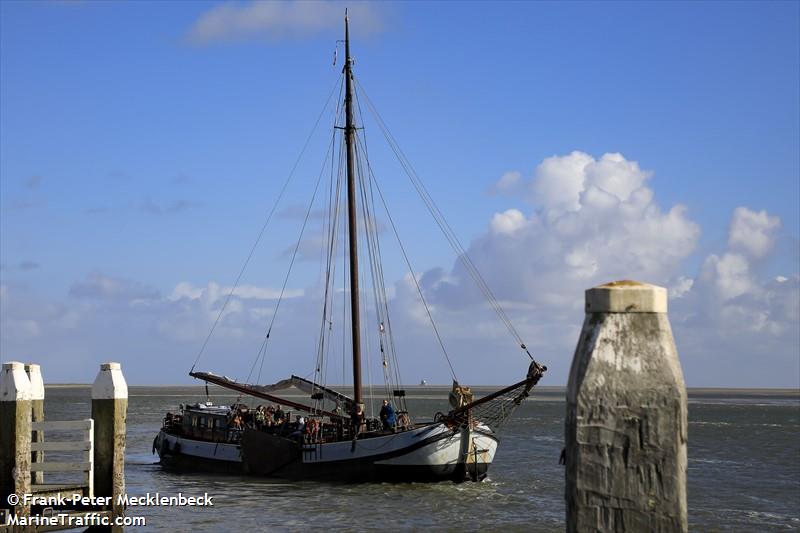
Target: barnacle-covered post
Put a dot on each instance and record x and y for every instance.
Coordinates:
(626, 416)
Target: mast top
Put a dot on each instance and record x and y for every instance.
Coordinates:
(347, 59)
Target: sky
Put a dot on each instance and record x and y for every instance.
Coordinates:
(143, 144)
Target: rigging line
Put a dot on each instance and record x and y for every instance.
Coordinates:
(327, 220)
(444, 226)
(388, 330)
(345, 275)
(330, 284)
(294, 256)
(378, 286)
(370, 233)
(266, 223)
(370, 203)
(328, 230)
(328, 226)
(330, 271)
(413, 277)
(464, 259)
(330, 280)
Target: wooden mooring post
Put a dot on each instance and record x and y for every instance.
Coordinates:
(109, 411)
(15, 436)
(626, 427)
(102, 445)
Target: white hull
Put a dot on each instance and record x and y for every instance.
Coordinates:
(197, 453)
(431, 451)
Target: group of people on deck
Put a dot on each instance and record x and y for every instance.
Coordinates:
(260, 418)
(273, 419)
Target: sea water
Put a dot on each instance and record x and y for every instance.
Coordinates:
(744, 472)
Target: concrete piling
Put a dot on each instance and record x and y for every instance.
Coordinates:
(15, 435)
(109, 411)
(34, 373)
(626, 427)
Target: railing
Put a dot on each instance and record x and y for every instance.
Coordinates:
(86, 445)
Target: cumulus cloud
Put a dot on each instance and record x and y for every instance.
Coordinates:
(752, 232)
(734, 323)
(507, 222)
(237, 21)
(729, 275)
(587, 220)
(191, 311)
(732, 293)
(215, 291)
(592, 220)
(681, 287)
(107, 317)
(507, 184)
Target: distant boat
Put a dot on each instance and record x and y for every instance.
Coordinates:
(331, 438)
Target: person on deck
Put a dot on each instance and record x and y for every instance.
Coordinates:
(357, 419)
(299, 428)
(387, 415)
(259, 418)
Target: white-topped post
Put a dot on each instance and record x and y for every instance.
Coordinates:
(626, 423)
(34, 373)
(15, 436)
(109, 411)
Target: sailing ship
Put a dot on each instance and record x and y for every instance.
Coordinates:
(330, 437)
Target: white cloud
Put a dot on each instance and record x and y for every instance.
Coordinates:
(594, 221)
(559, 181)
(590, 220)
(214, 292)
(735, 324)
(681, 287)
(112, 318)
(507, 222)
(752, 232)
(576, 181)
(507, 184)
(234, 21)
(729, 275)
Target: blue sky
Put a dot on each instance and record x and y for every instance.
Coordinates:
(142, 143)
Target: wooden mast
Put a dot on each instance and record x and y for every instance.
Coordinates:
(349, 134)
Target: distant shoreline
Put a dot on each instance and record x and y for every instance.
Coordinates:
(545, 390)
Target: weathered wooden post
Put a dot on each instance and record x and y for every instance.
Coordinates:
(15, 437)
(34, 372)
(109, 411)
(626, 416)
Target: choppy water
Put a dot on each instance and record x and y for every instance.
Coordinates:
(744, 473)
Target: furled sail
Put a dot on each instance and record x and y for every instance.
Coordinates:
(256, 391)
(315, 390)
